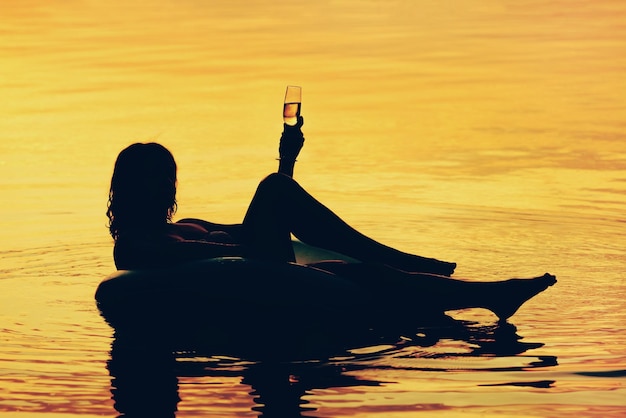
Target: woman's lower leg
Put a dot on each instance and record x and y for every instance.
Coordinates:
(281, 206)
(422, 291)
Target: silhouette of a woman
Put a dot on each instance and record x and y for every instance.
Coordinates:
(142, 202)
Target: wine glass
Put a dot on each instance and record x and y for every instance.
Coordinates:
(292, 105)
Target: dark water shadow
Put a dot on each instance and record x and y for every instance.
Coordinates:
(145, 371)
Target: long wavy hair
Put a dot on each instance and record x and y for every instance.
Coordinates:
(142, 196)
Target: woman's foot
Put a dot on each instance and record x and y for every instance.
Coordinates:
(444, 268)
(510, 294)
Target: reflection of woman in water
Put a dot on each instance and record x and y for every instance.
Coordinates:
(142, 201)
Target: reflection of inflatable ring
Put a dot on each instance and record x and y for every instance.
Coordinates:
(233, 301)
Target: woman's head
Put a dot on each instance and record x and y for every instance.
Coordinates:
(143, 189)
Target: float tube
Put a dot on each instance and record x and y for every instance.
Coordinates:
(236, 303)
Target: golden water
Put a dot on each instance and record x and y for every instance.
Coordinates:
(490, 133)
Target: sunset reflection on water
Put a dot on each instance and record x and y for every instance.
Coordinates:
(486, 133)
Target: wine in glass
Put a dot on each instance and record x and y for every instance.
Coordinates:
(292, 105)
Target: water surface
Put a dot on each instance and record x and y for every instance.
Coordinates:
(486, 133)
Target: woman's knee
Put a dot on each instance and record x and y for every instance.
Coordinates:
(276, 182)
